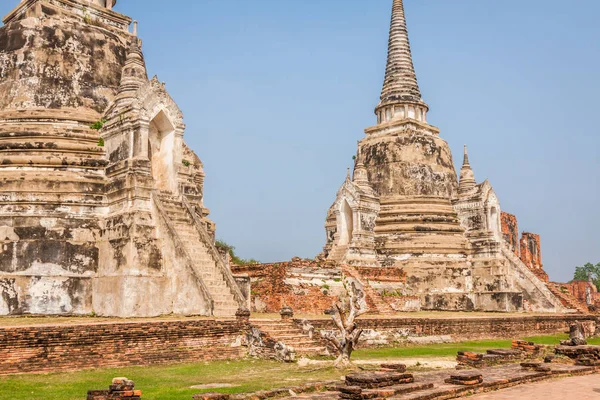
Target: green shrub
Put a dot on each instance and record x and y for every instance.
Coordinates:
(221, 244)
(98, 124)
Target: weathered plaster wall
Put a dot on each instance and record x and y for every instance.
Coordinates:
(51, 58)
(410, 162)
(57, 74)
(79, 229)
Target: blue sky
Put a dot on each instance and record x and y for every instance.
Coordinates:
(276, 93)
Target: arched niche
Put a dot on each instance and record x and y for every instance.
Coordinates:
(346, 225)
(494, 221)
(161, 152)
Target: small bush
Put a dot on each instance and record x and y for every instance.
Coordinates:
(98, 124)
(186, 163)
(100, 142)
(221, 244)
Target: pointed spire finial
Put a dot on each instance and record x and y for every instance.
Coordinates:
(134, 73)
(400, 82)
(467, 176)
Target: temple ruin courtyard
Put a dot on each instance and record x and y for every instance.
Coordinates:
(175, 382)
(114, 283)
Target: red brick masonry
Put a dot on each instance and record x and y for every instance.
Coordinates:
(72, 347)
(469, 328)
(510, 231)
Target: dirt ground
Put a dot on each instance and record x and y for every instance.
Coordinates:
(580, 388)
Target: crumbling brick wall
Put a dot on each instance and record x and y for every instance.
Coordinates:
(510, 231)
(42, 349)
(307, 286)
(584, 291)
(270, 290)
(394, 329)
(531, 254)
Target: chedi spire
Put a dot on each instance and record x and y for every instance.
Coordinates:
(134, 72)
(467, 176)
(400, 96)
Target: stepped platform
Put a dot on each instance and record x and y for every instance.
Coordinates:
(447, 385)
(290, 334)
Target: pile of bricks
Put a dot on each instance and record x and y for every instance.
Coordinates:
(465, 379)
(527, 347)
(394, 367)
(466, 359)
(372, 380)
(380, 385)
(211, 396)
(121, 388)
(588, 356)
(535, 366)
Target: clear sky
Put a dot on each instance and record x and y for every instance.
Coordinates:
(276, 93)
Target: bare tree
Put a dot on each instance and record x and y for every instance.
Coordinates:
(346, 311)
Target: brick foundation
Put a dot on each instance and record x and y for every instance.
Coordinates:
(467, 328)
(63, 348)
(39, 349)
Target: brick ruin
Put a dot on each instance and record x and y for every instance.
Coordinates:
(101, 201)
(510, 232)
(311, 287)
(72, 347)
(528, 248)
(580, 295)
(405, 207)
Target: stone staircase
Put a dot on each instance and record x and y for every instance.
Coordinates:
(338, 253)
(522, 270)
(374, 300)
(225, 304)
(290, 334)
(567, 299)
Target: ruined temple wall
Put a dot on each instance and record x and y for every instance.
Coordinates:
(510, 232)
(585, 292)
(74, 347)
(382, 331)
(531, 254)
(531, 250)
(304, 285)
(42, 349)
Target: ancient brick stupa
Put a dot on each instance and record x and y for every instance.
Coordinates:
(101, 201)
(405, 207)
